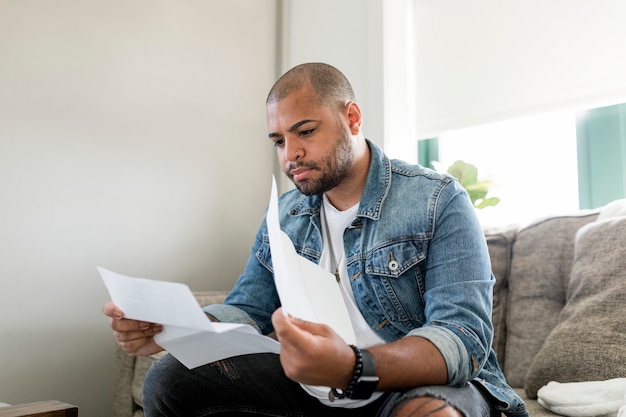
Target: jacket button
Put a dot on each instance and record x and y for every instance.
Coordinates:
(393, 265)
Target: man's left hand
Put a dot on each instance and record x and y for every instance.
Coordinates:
(312, 353)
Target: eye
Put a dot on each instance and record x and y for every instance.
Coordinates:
(307, 132)
(279, 143)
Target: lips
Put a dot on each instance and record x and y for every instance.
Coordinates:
(300, 174)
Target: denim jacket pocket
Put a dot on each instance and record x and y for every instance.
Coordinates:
(395, 259)
(396, 277)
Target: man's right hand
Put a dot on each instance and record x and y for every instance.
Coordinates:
(134, 337)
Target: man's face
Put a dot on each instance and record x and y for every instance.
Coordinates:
(313, 142)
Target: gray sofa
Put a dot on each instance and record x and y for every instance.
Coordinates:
(558, 306)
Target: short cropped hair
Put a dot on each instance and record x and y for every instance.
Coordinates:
(330, 86)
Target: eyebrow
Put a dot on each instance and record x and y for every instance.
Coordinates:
(293, 127)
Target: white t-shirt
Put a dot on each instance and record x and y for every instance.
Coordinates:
(337, 221)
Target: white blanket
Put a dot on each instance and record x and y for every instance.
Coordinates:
(585, 399)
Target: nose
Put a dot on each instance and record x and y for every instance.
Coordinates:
(293, 151)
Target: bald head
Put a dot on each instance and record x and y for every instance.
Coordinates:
(330, 86)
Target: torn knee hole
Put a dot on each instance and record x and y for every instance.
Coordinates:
(227, 369)
(426, 407)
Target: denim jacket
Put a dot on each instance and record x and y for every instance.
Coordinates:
(418, 264)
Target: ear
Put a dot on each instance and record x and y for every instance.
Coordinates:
(353, 114)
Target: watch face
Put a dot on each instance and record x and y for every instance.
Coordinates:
(365, 387)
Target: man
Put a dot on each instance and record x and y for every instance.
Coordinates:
(410, 259)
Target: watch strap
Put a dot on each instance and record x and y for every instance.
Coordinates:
(368, 380)
(364, 379)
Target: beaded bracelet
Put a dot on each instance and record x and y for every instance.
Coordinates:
(335, 393)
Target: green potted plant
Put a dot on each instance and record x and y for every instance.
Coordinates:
(467, 174)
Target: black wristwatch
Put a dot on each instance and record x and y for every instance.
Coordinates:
(364, 379)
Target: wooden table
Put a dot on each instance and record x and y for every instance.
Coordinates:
(51, 408)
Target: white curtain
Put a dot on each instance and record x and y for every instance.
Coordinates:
(483, 61)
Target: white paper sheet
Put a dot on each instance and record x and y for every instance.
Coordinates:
(306, 290)
(188, 334)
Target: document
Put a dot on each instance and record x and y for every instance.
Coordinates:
(306, 291)
(188, 334)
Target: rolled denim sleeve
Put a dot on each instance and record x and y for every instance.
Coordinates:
(451, 348)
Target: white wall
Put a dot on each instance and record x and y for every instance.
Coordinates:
(132, 136)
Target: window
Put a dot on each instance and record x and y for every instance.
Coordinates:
(601, 137)
(531, 160)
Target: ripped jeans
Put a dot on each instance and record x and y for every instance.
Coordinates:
(255, 385)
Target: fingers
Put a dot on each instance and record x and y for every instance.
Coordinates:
(287, 330)
(299, 333)
(279, 320)
(304, 338)
(129, 325)
(133, 336)
(312, 353)
(310, 327)
(136, 341)
(121, 324)
(111, 310)
(142, 347)
(285, 323)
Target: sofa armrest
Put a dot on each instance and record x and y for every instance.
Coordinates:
(123, 405)
(50, 408)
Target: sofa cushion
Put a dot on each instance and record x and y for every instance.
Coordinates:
(589, 341)
(540, 268)
(499, 242)
(142, 365)
(615, 208)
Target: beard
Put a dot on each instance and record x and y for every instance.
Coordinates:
(333, 168)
